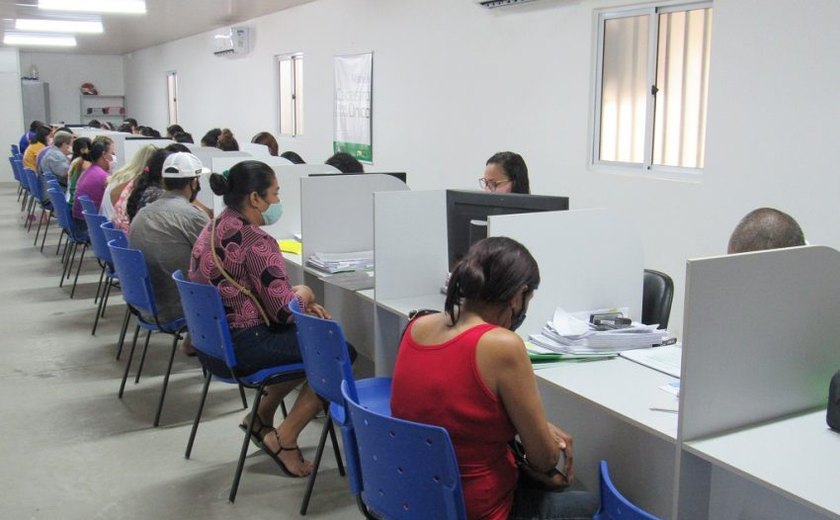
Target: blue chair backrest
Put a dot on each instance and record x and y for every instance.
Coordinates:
(17, 164)
(14, 169)
(97, 237)
(325, 356)
(206, 319)
(613, 505)
(62, 210)
(135, 284)
(409, 470)
(115, 235)
(88, 205)
(34, 185)
(15, 149)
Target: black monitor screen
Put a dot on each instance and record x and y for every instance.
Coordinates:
(467, 212)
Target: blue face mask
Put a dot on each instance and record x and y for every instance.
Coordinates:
(273, 213)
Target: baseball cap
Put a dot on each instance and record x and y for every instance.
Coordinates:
(182, 165)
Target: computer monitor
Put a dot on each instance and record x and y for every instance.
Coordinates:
(467, 212)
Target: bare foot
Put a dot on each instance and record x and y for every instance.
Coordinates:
(288, 452)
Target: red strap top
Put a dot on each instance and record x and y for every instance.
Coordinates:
(440, 385)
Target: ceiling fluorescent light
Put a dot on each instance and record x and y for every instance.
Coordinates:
(62, 26)
(49, 40)
(95, 6)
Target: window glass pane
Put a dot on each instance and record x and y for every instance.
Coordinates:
(172, 97)
(287, 123)
(624, 89)
(682, 77)
(298, 95)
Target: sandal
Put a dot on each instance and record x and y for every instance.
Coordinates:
(257, 430)
(276, 456)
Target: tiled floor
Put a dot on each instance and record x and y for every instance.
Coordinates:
(71, 450)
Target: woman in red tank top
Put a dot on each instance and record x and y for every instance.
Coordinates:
(467, 371)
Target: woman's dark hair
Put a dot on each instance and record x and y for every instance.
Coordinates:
(345, 163)
(240, 181)
(148, 131)
(125, 127)
(42, 134)
(173, 130)
(493, 271)
(177, 147)
(268, 140)
(97, 148)
(183, 137)
(81, 145)
(131, 121)
(514, 166)
(211, 138)
(152, 176)
(93, 123)
(227, 142)
(293, 157)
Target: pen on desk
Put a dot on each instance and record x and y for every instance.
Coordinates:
(672, 410)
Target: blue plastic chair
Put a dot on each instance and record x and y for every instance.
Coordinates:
(99, 245)
(118, 237)
(16, 173)
(613, 505)
(327, 362)
(88, 205)
(208, 326)
(130, 265)
(39, 199)
(75, 237)
(15, 149)
(409, 470)
(23, 189)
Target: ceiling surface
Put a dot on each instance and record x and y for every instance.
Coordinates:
(164, 21)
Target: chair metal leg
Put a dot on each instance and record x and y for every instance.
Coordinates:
(78, 270)
(108, 286)
(244, 451)
(283, 408)
(40, 223)
(143, 357)
(207, 378)
(242, 395)
(60, 239)
(99, 286)
(166, 377)
(46, 228)
(68, 267)
(100, 309)
(336, 450)
(128, 363)
(124, 329)
(316, 464)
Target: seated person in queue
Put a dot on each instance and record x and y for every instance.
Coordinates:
(345, 163)
(765, 228)
(467, 371)
(246, 264)
(92, 181)
(505, 172)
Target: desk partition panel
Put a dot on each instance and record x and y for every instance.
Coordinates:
(131, 144)
(584, 263)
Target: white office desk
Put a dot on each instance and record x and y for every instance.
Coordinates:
(797, 459)
(403, 306)
(605, 405)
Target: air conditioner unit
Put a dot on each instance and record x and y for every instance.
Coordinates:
(492, 4)
(231, 42)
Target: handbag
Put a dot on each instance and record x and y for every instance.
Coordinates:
(832, 415)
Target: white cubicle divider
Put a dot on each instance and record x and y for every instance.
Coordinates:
(255, 149)
(337, 211)
(761, 341)
(411, 264)
(584, 263)
(131, 144)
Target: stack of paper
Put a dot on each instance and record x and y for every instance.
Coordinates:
(337, 262)
(573, 335)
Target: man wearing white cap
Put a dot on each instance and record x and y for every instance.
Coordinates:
(166, 230)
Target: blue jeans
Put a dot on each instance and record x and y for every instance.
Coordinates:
(536, 504)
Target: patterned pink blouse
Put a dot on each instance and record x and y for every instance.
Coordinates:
(121, 219)
(252, 258)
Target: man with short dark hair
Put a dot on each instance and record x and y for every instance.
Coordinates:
(765, 228)
(166, 230)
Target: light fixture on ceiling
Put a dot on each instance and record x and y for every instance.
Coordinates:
(47, 40)
(95, 6)
(61, 26)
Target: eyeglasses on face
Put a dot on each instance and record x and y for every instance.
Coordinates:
(491, 185)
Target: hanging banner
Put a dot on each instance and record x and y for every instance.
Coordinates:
(353, 95)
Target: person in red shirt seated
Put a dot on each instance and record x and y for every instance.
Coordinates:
(467, 371)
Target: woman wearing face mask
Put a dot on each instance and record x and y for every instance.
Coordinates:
(467, 371)
(93, 180)
(246, 264)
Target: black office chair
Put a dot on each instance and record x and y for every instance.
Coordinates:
(657, 295)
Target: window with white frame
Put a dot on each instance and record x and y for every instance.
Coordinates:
(290, 83)
(172, 97)
(652, 85)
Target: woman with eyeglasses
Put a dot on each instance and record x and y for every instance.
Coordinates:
(506, 172)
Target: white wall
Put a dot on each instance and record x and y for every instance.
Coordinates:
(66, 72)
(10, 106)
(454, 83)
